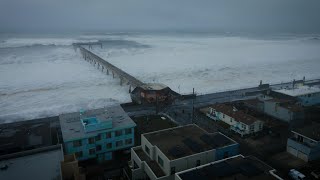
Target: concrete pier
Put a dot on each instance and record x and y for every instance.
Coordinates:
(124, 77)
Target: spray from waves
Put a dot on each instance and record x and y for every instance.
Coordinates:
(27, 42)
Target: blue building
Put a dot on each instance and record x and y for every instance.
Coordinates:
(97, 133)
(305, 142)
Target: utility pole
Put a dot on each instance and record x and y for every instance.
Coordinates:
(192, 120)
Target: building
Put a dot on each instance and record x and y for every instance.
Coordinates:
(239, 121)
(305, 142)
(306, 95)
(70, 169)
(165, 152)
(279, 106)
(284, 110)
(153, 93)
(236, 167)
(97, 133)
(41, 163)
(30, 134)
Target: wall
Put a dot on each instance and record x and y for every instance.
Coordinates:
(191, 161)
(275, 110)
(231, 149)
(103, 142)
(310, 99)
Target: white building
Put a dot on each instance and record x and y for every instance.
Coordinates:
(165, 152)
(238, 120)
(306, 95)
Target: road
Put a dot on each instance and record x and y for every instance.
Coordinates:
(181, 110)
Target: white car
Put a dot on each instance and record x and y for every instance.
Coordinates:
(296, 175)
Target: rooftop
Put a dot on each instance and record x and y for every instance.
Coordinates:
(238, 115)
(253, 102)
(237, 167)
(186, 140)
(300, 90)
(72, 127)
(311, 131)
(38, 165)
(153, 86)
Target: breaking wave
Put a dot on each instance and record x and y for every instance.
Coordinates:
(27, 42)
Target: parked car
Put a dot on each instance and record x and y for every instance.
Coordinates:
(296, 175)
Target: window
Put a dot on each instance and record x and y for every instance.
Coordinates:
(198, 163)
(79, 154)
(300, 138)
(91, 140)
(128, 131)
(98, 147)
(98, 138)
(222, 115)
(119, 143)
(231, 119)
(92, 151)
(109, 145)
(77, 143)
(108, 135)
(147, 149)
(128, 141)
(173, 170)
(160, 161)
(118, 133)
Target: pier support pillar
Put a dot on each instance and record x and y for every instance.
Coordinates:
(130, 88)
(112, 74)
(121, 81)
(107, 71)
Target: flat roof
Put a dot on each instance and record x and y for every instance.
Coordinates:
(237, 167)
(72, 128)
(24, 135)
(300, 90)
(153, 86)
(40, 165)
(311, 131)
(186, 140)
(238, 115)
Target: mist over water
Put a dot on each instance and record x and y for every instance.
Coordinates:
(42, 75)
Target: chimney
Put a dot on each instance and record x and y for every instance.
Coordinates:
(260, 82)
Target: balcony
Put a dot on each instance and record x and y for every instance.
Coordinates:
(150, 166)
(303, 147)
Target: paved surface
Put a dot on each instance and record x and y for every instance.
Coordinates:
(182, 110)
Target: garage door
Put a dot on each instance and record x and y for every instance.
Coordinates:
(292, 151)
(302, 156)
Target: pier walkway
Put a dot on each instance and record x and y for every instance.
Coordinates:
(107, 67)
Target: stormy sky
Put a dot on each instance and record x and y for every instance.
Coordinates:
(227, 15)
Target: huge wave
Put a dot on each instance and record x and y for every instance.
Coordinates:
(27, 42)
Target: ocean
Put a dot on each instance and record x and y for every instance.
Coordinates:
(42, 75)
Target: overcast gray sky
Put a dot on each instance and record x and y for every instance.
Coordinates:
(227, 15)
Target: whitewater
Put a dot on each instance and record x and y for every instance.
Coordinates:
(44, 76)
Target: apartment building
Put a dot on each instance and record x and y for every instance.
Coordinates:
(305, 142)
(166, 152)
(97, 133)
